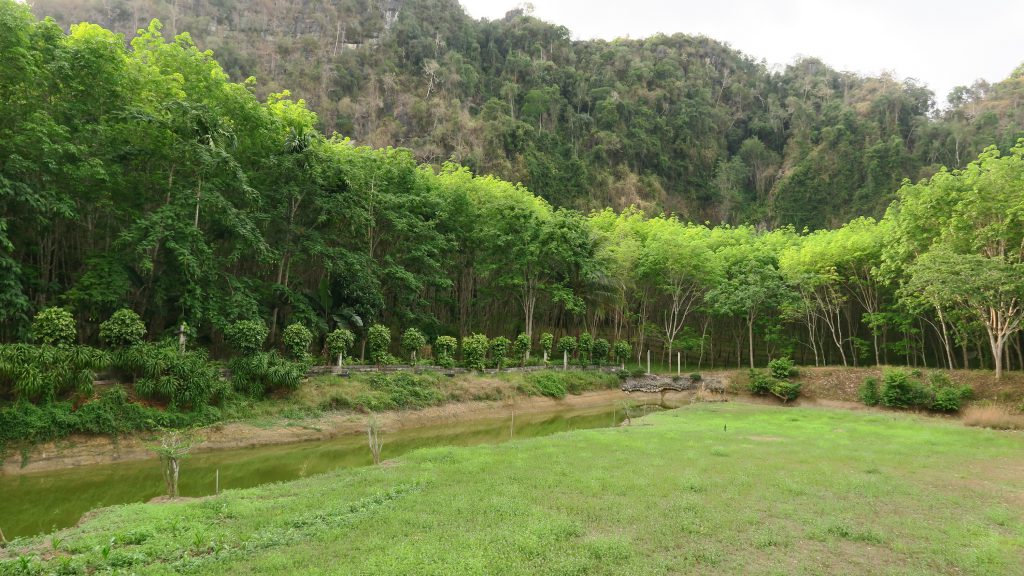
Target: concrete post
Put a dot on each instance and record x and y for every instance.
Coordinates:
(648, 361)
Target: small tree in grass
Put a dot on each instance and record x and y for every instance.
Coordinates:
(499, 351)
(247, 336)
(600, 351)
(54, 327)
(474, 351)
(444, 351)
(173, 447)
(521, 348)
(339, 342)
(586, 348)
(297, 339)
(622, 352)
(123, 329)
(379, 340)
(412, 341)
(547, 340)
(567, 344)
(374, 438)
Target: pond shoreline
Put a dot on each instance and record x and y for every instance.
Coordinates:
(79, 450)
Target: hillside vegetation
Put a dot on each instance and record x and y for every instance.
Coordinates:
(145, 189)
(749, 490)
(677, 123)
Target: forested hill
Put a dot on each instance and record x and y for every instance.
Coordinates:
(675, 123)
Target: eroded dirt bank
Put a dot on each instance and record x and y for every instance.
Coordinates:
(86, 450)
(828, 387)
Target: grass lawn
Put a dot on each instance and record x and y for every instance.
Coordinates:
(708, 489)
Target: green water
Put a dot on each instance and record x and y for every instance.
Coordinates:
(40, 502)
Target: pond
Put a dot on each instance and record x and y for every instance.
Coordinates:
(40, 502)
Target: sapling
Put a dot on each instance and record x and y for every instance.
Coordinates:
(412, 341)
(173, 447)
(373, 435)
(339, 342)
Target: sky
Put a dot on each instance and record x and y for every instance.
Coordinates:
(940, 43)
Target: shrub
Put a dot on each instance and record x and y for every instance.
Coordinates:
(761, 383)
(379, 340)
(403, 390)
(547, 340)
(444, 350)
(339, 342)
(637, 372)
(297, 339)
(499, 351)
(543, 384)
(567, 344)
(764, 383)
(946, 396)
(54, 327)
(586, 348)
(412, 341)
(785, 390)
(869, 393)
(123, 329)
(899, 391)
(48, 372)
(520, 347)
(782, 368)
(474, 351)
(112, 413)
(162, 372)
(950, 399)
(622, 351)
(696, 377)
(246, 336)
(258, 374)
(600, 351)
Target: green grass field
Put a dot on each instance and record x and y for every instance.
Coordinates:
(708, 489)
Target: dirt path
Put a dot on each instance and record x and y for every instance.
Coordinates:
(86, 450)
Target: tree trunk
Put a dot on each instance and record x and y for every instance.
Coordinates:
(750, 339)
(997, 354)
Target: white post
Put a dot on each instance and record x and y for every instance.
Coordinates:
(679, 363)
(648, 361)
(565, 360)
(217, 484)
(181, 338)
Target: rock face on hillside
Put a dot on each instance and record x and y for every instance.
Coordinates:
(653, 383)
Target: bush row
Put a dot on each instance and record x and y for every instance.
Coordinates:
(479, 351)
(901, 390)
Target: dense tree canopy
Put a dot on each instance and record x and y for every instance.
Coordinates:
(675, 123)
(141, 177)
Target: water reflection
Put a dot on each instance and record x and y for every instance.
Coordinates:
(40, 502)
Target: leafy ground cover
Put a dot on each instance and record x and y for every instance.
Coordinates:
(116, 411)
(715, 488)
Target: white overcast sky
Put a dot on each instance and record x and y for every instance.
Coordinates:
(942, 43)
